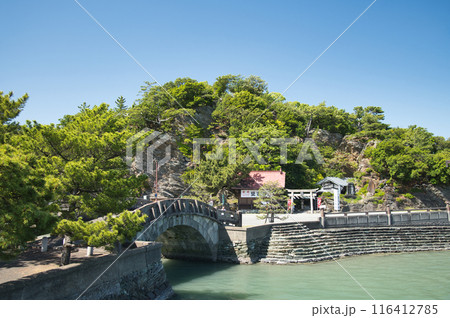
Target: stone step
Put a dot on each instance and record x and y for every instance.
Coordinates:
(357, 237)
(316, 257)
(350, 248)
(291, 243)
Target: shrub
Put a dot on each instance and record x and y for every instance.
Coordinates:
(363, 190)
(379, 193)
(409, 196)
(358, 175)
(355, 200)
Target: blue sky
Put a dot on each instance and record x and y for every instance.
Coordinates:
(395, 56)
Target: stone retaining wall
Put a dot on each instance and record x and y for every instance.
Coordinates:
(243, 245)
(295, 243)
(137, 274)
(299, 243)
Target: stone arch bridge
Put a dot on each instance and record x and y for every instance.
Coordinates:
(187, 228)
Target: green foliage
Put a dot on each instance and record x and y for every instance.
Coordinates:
(24, 209)
(211, 176)
(438, 172)
(167, 107)
(9, 109)
(239, 111)
(83, 161)
(406, 155)
(105, 233)
(269, 153)
(191, 131)
(358, 175)
(236, 83)
(332, 119)
(79, 165)
(296, 116)
(271, 199)
(379, 201)
(302, 176)
(369, 119)
(379, 193)
(409, 196)
(353, 200)
(363, 190)
(120, 104)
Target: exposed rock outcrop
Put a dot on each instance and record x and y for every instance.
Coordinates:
(352, 145)
(326, 138)
(170, 183)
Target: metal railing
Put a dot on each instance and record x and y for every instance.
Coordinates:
(387, 217)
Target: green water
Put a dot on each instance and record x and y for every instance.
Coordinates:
(423, 275)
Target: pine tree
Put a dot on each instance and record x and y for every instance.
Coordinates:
(271, 200)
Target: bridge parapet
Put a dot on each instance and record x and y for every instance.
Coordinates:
(387, 218)
(187, 228)
(178, 206)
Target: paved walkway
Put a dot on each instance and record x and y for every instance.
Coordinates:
(34, 261)
(252, 219)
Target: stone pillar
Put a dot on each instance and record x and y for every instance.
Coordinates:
(322, 218)
(196, 208)
(66, 251)
(448, 211)
(90, 251)
(159, 207)
(389, 217)
(44, 245)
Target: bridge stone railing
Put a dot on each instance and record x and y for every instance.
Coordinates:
(190, 206)
(177, 206)
(387, 218)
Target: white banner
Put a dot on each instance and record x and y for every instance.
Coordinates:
(336, 199)
(249, 193)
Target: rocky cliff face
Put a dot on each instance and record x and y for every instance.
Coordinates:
(326, 138)
(170, 183)
(350, 155)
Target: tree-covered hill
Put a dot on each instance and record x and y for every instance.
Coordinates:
(76, 169)
(358, 144)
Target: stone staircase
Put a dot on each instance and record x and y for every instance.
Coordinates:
(296, 243)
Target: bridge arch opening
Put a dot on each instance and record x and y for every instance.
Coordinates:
(185, 242)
